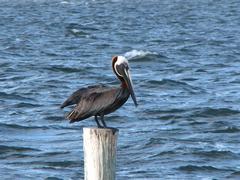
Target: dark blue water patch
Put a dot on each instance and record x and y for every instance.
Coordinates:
(51, 54)
(56, 82)
(169, 84)
(164, 153)
(201, 70)
(154, 112)
(154, 141)
(103, 46)
(148, 173)
(53, 153)
(50, 164)
(14, 96)
(235, 81)
(196, 168)
(63, 163)
(189, 79)
(170, 117)
(189, 51)
(53, 178)
(216, 154)
(217, 65)
(214, 112)
(7, 149)
(55, 118)
(26, 105)
(5, 126)
(234, 175)
(4, 64)
(194, 122)
(227, 130)
(220, 124)
(82, 27)
(20, 155)
(64, 69)
(8, 78)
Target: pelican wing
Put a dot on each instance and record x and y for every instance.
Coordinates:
(75, 98)
(93, 104)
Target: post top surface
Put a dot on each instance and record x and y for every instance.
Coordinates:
(99, 130)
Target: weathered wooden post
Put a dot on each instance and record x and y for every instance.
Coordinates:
(99, 146)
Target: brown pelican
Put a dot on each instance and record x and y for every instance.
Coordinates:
(100, 100)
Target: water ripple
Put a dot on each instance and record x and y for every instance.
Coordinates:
(191, 168)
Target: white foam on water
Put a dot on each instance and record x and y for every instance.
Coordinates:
(75, 31)
(138, 54)
(64, 2)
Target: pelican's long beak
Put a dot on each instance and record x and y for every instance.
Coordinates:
(128, 80)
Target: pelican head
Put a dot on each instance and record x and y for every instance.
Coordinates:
(121, 69)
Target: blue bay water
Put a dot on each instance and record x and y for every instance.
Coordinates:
(184, 58)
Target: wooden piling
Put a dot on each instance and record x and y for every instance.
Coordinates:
(99, 146)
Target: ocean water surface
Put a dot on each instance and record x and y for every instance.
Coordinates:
(185, 66)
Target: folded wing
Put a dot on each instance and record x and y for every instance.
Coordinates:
(94, 103)
(75, 98)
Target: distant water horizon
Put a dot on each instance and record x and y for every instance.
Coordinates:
(184, 60)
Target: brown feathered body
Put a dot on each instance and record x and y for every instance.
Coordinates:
(97, 100)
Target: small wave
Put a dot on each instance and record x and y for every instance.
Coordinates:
(50, 164)
(212, 112)
(142, 55)
(26, 105)
(64, 2)
(154, 141)
(189, 79)
(169, 111)
(81, 26)
(65, 69)
(201, 71)
(167, 82)
(227, 130)
(215, 154)
(172, 84)
(54, 118)
(61, 163)
(234, 175)
(166, 153)
(53, 178)
(199, 168)
(79, 30)
(14, 155)
(197, 122)
(13, 96)
(6, 149)
(55, 153)
(5, 64)
(21, 127)
(170, 117)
